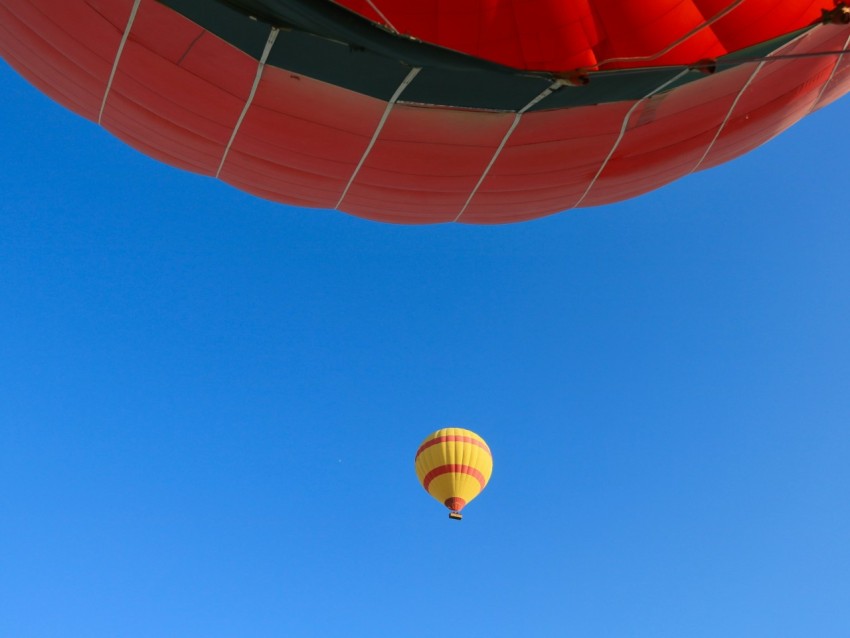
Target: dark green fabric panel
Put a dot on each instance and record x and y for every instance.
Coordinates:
(469, 90)
(337, 63)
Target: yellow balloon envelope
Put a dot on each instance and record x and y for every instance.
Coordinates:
(453, 466)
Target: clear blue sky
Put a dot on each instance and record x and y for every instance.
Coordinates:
(209, 404)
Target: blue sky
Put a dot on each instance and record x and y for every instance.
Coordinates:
(209, 404)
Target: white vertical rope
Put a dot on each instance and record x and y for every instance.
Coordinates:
(622, 134)
(404, 84)
(831, 75)
(551, 89)
(118, 53)
(382, 16)
(728, 116)
(266, 50)
(749, 81)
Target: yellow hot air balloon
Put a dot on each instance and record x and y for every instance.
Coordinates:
(453, 466)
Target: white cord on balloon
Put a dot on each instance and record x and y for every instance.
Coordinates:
(551, 89)
(387, 23)
(831, 75)
(623, 128)
(118, 53)
(728, 116)
(404, 84)
(266, 50)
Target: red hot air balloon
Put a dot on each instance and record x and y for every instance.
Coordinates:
(481, 111)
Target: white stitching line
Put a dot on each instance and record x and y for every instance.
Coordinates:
(551, 89)
(266, 50)
(623, 133)
(407, 80)
(118, 53)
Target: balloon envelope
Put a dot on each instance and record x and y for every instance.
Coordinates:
(454, 465)
(485, 111)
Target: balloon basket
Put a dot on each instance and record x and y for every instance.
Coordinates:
(455, 515)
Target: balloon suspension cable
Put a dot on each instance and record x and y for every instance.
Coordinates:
(709, 66)
(387, 23)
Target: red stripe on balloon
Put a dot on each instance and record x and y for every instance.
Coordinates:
(457, 469)
(451, 437)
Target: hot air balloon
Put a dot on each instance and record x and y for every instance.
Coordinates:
(453, 465)
(481, 111)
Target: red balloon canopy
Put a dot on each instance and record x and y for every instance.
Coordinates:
(482, 111)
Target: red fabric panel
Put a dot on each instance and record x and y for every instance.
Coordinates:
(782, 93)
(303, 137)
(563, 35)
(644, 30)
(178, 88)
(426, 159)
(839, 84)
(64, 48)
(548, 161)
